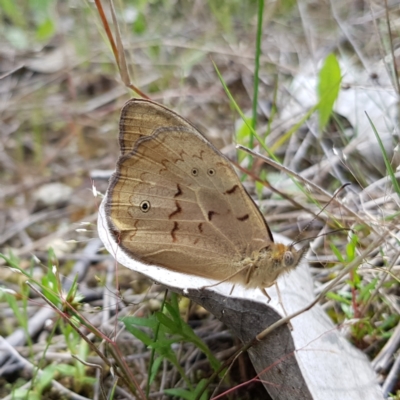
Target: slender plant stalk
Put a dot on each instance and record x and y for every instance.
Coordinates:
(117, 48)
(389, 168)
(153, 351)
(395, 71)
(260, 14)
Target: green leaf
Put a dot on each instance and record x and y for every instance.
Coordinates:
(44, 379)
(164, 349)
(13, 304)
(328, 88)
(337, 252)
(50, 283)
(365, 292)
(45, 30)
(26, 394)
(51, 258)
(150, 322)
(347, 310)
(189, 394)
(243, 132)
(13, 262)
(167, 322)
(351, 248)
(243, 135)
(140, 24)
(154, 368)
(180, 393)
(161, 344)
(199, 388)
(142, 336)
(390, 322)
(65, 369)
(73, 291)
(173, 309)
(338, 298)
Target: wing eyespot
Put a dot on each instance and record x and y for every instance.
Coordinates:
(211, 172)
(145, 206)
(195, 172)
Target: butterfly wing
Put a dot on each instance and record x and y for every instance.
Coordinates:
(176, 201)
(141, 118)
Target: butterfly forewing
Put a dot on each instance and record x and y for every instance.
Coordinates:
(141, 118)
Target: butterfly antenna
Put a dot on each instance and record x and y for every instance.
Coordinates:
(322, 209)
(323, 234)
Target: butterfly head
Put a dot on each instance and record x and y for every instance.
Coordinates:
(273, 261)
(284, 258)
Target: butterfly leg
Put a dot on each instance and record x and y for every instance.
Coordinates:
(224, 280)
(233, 287)
(264, 292)
(281, 304)
(250, 269)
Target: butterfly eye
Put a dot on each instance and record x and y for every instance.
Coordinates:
(211, 172)
(145, 206)
(195, 171)
(288, 259)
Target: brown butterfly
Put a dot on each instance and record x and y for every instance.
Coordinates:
(175, 201)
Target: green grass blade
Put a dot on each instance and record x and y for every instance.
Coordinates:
(239, 111)
(385, 158)
(260, 14)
